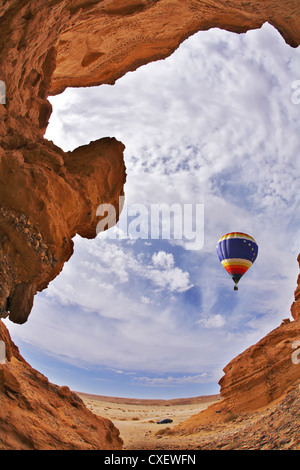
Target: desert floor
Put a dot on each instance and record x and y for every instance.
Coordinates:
(137, 419)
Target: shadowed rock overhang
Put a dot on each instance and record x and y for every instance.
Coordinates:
(47, 196)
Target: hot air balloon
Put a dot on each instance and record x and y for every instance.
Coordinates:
(237, 252)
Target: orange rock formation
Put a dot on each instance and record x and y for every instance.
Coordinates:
(259, 376)
(263, 372)
(38, 415)
(47, 196)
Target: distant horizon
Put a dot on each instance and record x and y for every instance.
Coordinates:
(136, 400)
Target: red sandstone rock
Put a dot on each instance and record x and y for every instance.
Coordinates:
(256, 378)
(38, 415)
(106, 39)
(263, 372)
(275, 427)
(50, 197)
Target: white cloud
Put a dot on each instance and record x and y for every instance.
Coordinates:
(171, 381)
(213, 321)
(163, 260)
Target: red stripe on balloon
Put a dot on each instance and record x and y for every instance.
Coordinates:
(236, 269)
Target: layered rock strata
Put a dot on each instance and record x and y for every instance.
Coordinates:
(258, 377)
(263, 372)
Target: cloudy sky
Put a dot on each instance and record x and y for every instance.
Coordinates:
(212, 127)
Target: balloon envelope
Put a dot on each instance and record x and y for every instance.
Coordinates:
(237, 251)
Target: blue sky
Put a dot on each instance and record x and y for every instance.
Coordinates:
(215, 125)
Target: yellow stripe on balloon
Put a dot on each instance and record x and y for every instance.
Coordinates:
(237, 235)
(236, 261)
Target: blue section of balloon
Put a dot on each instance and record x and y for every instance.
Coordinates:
(237, 248)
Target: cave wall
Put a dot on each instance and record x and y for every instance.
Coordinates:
(38, 415)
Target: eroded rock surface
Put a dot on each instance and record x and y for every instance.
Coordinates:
(47, 197)
(38, 415)
(257, 378)
(263, 372)
(274, 427)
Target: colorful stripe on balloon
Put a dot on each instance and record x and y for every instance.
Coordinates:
(237, 245)
(239, 235)
(236, 265)
(237, 251)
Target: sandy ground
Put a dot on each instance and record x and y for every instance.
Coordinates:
(137, 419)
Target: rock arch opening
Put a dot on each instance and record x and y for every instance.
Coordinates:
(213, 134)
